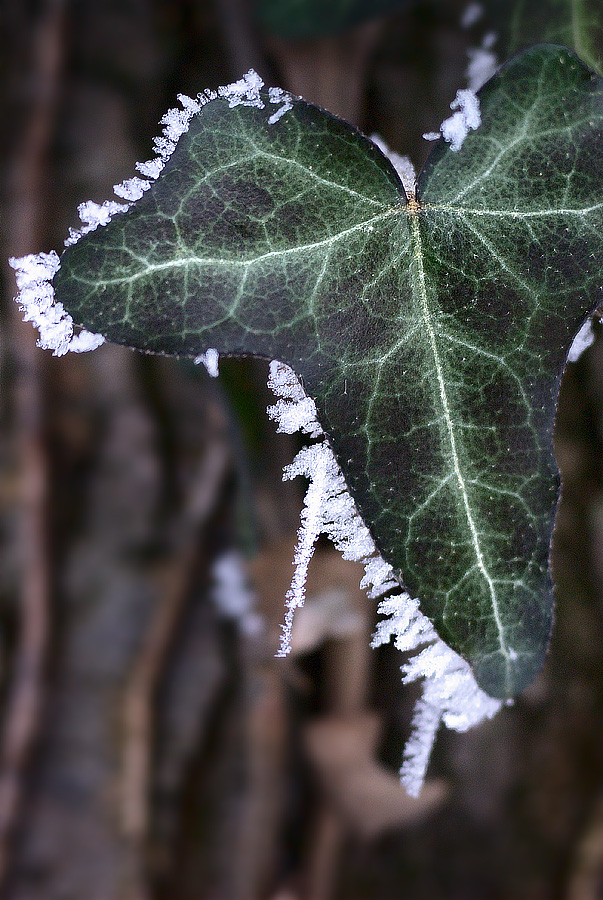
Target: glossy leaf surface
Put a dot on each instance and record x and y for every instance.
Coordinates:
(432, 334)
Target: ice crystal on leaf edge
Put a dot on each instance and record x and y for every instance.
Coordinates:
(481, 66)
(450, 692)
(34, 272)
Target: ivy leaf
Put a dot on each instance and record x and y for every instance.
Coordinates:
(432, 333)
(317, 18)
(577, 24)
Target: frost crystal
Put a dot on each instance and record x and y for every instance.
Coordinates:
(582, 341)
(210, 360)
(468, 118)
(34, 275)
(328, 507)
(245, 92)
(481, 67)
(35, 272)
(132, 189)
(315, 463)
(294, 411)
(450, 693)
(278, 96)
(401, 164)
(152, 168)
(175, 123)
(92, 215)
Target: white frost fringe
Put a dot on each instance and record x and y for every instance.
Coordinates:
(456, 127)
(482, 62)
(402, 164)
(481, 67)
(450, 693)
(34, 275)
(210, 359)
(36, 271)
(583, 340)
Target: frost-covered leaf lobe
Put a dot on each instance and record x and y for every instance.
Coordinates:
(432, 335)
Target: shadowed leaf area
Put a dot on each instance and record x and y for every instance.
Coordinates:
(432, 335)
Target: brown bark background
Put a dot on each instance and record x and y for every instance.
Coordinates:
(151, 746)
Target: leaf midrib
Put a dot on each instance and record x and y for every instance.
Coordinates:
(420, 292)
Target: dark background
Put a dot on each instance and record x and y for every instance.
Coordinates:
(151, 746)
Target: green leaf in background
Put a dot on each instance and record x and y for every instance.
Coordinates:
(318, 18)
(432, 334)
(577, 24)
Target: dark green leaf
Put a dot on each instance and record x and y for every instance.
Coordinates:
(317, 18)
(433, 336)
(577, 24)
